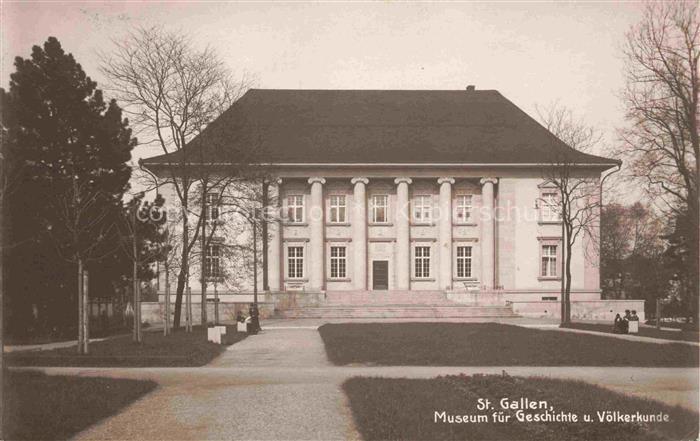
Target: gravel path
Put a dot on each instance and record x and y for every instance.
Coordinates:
(257, 389)
(279, 385)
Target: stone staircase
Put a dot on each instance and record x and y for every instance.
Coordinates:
(401, 304)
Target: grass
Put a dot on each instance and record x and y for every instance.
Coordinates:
(676, 323)
(39, 406)
(643, 331)
(490, 344)
(385, 409)
(178, 349)
(63, 335)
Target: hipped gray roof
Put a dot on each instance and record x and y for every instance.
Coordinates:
(377, 127)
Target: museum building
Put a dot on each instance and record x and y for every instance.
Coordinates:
(419, 194)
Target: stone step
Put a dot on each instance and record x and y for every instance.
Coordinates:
(387, 297)
(413, 298)
(398, 311)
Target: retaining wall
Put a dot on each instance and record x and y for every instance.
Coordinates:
(604, 310)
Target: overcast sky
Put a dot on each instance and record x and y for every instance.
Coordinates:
(533, 53)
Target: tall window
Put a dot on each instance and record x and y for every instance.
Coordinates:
(549, 261)
(380, 207)
(422, 263)
(338, 263)
(295, 208)
(295, 262)
(422, 207)
(464, 209)
(212, 261)
(464, 262)
(211, 207)
(549, 210)
(337, 211)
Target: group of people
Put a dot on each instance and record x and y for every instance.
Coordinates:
(253, 321)
(622, 324)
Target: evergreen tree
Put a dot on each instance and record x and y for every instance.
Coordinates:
(681, 258)
(62, 139)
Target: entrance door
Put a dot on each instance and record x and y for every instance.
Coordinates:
(380, 274)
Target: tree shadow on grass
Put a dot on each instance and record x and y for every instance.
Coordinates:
(39, 406)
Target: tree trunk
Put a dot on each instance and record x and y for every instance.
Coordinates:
(203, 260)
(695, 246)
(188, 306)
(184, 268)
(179, 291)
(135, 285)
(86, 312)
(568, 283)
(562, 294)
(166, 319)
(265, 187)
(2, 284)
(81, 306)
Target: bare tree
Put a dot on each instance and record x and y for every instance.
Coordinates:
(174, 91)
(82, 228)
(144, 242)
(234, 210)
(661, 69)
(632, 253)
(661, 57)
(578, 190)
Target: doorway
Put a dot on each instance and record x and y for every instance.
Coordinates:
(380, 275)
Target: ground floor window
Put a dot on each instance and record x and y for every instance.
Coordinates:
(212, 261)
(338, 263)
(295, 262)
(422, 263)
(464, 262)
(549, 261)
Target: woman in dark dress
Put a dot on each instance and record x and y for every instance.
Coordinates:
(617, 325)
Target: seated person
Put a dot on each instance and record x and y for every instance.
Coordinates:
(617, 324)
(626, 322)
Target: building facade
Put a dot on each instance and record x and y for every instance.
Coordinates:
(433, 227)
(403, 191)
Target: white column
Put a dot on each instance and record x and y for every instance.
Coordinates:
(403, 245)
(315, 218)
(359, 233)
(445, 232)
(274, 227)
(488, 226)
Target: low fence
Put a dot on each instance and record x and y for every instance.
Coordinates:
(600, 310)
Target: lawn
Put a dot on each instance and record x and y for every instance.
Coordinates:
(45, 336)
(643, 331)
(490, 344)
(39, 406)
(405, 409)
(178, 349)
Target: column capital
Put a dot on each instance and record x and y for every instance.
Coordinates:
(359, 180)
(403, 180)
(487, 180)
(446, 180)
(317, 179)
